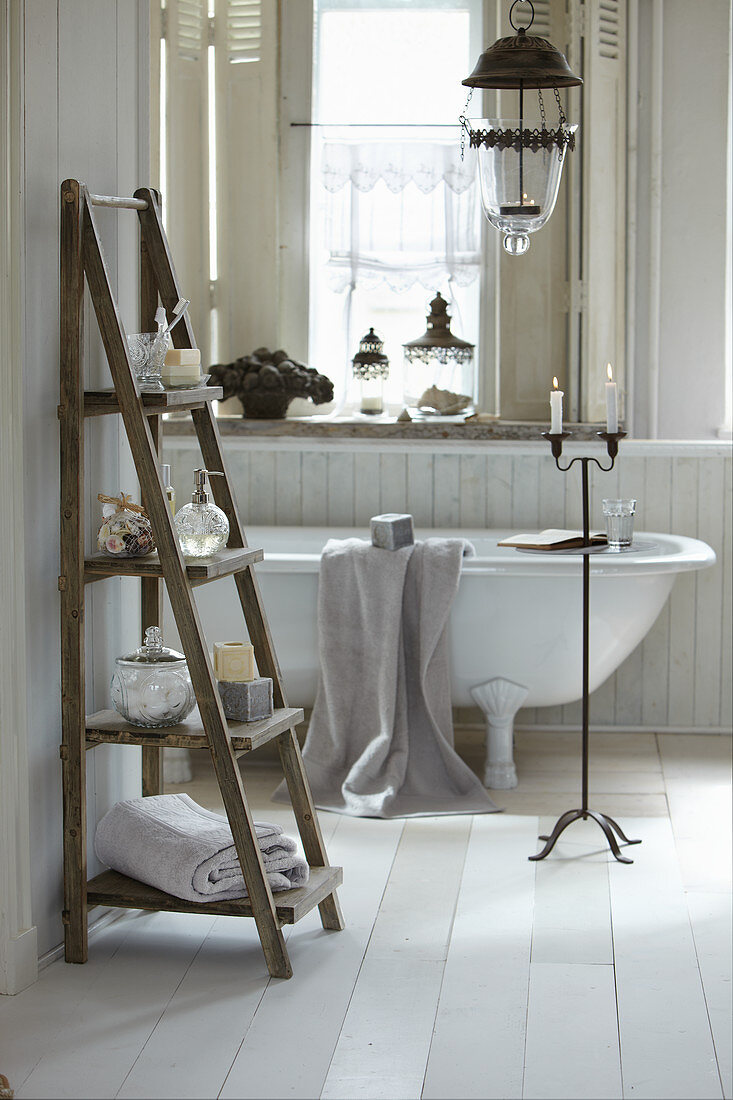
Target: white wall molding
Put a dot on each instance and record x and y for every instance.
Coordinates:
(18, 951)
(629, 448)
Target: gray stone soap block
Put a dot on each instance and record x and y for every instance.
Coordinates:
(392, 531)
(246, 700)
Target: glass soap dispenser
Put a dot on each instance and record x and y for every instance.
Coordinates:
(202, 527)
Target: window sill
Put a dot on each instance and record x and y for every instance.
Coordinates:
(444, 427)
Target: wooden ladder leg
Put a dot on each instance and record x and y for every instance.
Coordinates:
(151, 591)
(250, 857)
(71, 578)
(151, 614)
(250, 598)
(307, 819)
(253, 610)
(230, 780)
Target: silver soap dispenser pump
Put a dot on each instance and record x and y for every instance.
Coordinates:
(202, 527)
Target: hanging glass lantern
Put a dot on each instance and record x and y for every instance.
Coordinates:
(439, 375)
(520, 167)
(371, 368)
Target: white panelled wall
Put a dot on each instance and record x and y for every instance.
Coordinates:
(85, 80)
(678, 678)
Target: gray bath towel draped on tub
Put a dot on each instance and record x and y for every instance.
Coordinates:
(380, 740)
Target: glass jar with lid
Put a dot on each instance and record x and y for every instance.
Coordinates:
(152, 686)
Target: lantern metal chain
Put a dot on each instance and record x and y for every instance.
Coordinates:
(563, 119)
(542, 108)
(464, 123)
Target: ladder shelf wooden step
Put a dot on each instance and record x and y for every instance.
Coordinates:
(113, 889)
(109, 727)
(106, 403)
(222, 564)
(83, 263)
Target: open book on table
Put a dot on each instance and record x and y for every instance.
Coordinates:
(553, 539)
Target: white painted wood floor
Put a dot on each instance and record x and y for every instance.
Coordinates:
(464, 971)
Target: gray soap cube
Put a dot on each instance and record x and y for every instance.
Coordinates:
(246, 700)
(392, 531)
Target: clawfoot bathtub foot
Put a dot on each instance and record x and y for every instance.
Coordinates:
(500, 700)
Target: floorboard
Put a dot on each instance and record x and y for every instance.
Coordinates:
(572, 909)
(478, 1044)
(572, 1046)
(666, 1043)
(288, 1048)
(384, 1044)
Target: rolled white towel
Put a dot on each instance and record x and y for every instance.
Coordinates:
(172, 843)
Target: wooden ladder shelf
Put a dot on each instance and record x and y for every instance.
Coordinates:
(82, 258)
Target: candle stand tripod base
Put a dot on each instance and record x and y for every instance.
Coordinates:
(607, 824)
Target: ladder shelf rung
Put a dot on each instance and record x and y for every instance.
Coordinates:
(109, 727)
(106, 402)
(222, 564)
(113, 889)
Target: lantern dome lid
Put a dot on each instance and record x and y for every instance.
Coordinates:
(370, 362)
(370, 349)
(438, 333)
(522, 60)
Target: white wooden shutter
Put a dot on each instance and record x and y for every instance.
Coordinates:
(604, 201)
(185, 27)
(246, 35)
(243, 31)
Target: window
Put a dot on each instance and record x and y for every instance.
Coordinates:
(393, 211)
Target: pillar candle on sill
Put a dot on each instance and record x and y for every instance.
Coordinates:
(556, 396)
(234, 661)
(611, 403)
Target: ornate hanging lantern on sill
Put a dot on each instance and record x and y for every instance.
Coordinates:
(439, 376)
(520, 167)
(371, 369)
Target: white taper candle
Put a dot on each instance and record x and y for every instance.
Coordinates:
(556, 397)
(611, 403)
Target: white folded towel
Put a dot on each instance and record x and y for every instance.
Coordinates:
(172, 843)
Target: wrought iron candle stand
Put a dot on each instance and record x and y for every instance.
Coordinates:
(607, 824)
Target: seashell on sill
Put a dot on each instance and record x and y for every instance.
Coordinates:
(443, 401)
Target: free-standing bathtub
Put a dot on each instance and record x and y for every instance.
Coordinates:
(516, 624)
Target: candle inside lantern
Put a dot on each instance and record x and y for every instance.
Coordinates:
(524, 208)
(611, 403)
(556, 396)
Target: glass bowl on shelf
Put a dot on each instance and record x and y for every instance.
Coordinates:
(152, 686)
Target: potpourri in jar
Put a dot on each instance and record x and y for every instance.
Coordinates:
(126, 530)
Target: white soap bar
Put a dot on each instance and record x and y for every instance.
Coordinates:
(182, 357)
(180, 374)
(234, 661)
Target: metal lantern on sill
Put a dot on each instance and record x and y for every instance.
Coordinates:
(439, 367)
(520, 167)
(371, 369)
